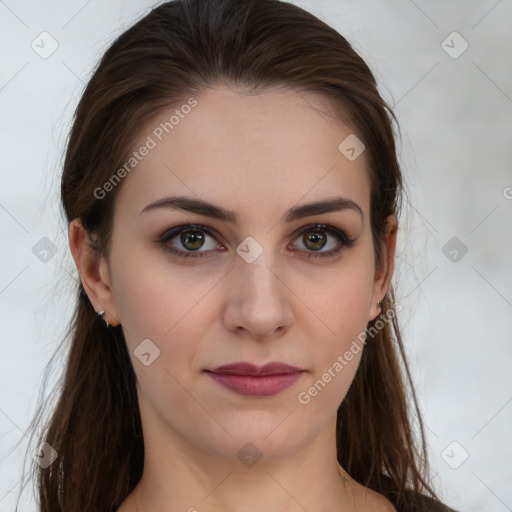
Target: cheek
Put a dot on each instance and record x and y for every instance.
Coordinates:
(172, 308)
(336, 357)
(155, 307)
(341, 296)
(341, 303)
(155, 296)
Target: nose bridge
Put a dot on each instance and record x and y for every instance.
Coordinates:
(259, 301)
(257, 267)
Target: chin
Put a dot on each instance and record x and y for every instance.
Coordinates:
(258, 440)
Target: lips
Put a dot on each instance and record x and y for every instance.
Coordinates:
(253, 370)
(259, 381)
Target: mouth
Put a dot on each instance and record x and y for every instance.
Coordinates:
(251, 380)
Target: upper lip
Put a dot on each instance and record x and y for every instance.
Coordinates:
(244, 368)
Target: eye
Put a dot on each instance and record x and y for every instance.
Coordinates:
(192, 238)
(316, 237)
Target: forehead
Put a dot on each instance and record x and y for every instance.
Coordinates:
(274, 148)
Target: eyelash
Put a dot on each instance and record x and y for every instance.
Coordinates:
(343, 239)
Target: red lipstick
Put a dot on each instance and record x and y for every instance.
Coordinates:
(251, 380)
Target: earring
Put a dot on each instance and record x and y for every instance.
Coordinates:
(378, 304)
(105, 321)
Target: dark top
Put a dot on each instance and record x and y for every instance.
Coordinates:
(422, 503)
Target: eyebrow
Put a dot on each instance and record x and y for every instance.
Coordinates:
(202, 207)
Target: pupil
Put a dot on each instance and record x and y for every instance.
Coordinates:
(315, 239)
(194, 238)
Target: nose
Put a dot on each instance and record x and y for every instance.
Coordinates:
(259, 301)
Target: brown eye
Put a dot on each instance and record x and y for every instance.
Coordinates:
(316, 237)
(186, 241)
(314, 241)
(192, 240)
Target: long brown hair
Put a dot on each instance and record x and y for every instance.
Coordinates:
(176, 51)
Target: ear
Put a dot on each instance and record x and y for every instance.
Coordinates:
(384, 274)
(94, 273)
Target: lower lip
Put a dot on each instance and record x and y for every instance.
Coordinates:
(265, 385)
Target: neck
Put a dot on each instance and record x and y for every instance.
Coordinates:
(186, 480)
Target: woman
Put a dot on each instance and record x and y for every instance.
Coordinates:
(232, 192)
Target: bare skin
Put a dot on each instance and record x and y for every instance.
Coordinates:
(258, 155)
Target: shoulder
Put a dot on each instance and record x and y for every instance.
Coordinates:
(417, 502)
(382, 504)
(368, 499)
(424, 503)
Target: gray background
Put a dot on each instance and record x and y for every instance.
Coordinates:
(454, 109)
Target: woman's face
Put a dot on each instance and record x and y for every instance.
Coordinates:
(264, 286)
